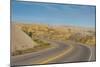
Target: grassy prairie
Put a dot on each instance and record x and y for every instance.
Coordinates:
(77, 34)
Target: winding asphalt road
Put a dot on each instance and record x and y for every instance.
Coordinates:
(60, 53)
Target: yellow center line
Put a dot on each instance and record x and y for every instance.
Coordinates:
(56, 56)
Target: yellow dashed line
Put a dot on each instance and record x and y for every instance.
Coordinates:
(56, 56)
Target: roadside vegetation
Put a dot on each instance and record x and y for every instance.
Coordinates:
(59, 33)
(85, 39)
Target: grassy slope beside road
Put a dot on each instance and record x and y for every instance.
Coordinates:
(22, 43)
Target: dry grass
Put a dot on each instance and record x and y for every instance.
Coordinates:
(82, 35)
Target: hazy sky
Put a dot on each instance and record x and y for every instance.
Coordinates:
(31, 12)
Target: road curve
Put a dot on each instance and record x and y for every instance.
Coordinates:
(61, 53)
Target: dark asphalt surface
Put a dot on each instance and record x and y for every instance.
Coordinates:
(79, 53)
